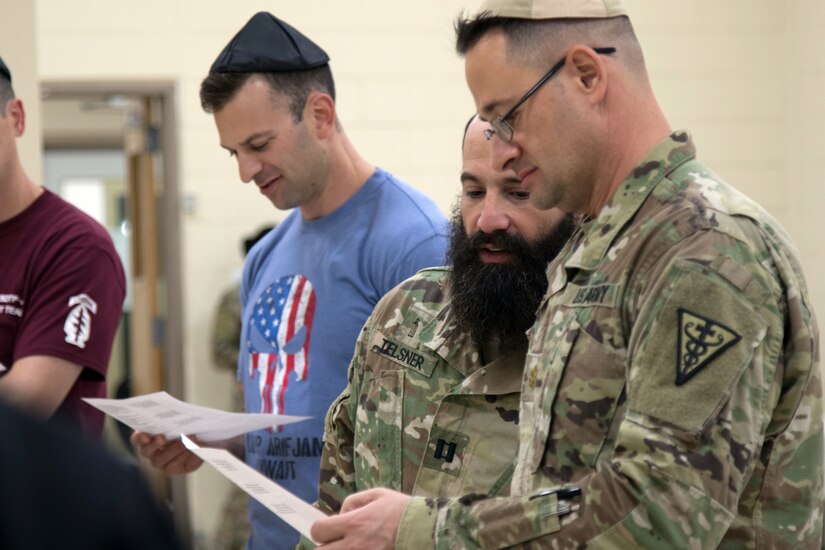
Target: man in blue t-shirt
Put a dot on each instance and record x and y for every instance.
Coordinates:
(310, 284)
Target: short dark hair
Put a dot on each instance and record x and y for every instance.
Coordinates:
(6, 94)
(218, 89)
(469, 30)
(529, 40)
(525, 36)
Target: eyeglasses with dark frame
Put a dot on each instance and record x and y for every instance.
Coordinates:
(500, 125)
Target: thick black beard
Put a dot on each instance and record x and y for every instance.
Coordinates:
(500, 300)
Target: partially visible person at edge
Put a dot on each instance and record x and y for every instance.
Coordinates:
(431, 407)
(310, 284)
(233, 529)
(62, 288)
(672, 392)
(225, 338)
(61, 490)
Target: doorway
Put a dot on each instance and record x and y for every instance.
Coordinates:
(109, 148)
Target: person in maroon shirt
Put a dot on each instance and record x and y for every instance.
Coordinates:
(61, 291)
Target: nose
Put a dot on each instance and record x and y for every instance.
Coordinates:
(493, 216)
(503, 154)
(248, 167)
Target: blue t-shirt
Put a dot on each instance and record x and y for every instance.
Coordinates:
(308, 288)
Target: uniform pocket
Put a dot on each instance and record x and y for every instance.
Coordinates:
(584, 407)
(577, 384)
(543, 371)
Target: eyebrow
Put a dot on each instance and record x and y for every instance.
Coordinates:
(467, 176)
(470, 177)
(251, 138)
(256, 135)
(491, 108)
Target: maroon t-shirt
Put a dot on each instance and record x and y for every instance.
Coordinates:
(61, 294)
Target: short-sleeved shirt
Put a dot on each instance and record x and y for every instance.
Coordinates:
(307, 289)
(62, 287)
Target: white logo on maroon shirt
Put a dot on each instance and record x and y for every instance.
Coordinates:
(11, 304)
(78, 325)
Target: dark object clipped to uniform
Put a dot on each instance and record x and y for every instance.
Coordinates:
(4, 70)
(266, 44)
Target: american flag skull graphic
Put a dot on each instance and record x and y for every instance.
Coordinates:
(278, 338)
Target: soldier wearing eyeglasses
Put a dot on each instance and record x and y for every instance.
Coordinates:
(671, 395)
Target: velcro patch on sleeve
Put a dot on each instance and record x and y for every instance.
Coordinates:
(700, 341)
(700, 338)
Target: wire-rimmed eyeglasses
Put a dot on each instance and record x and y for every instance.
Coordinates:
(500, 125)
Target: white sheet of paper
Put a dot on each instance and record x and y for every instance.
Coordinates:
(160, 413)
(297, 513)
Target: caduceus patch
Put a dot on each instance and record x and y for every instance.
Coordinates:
(700, 342)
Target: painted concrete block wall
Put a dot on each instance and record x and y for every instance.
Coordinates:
(18, 48)
(746, 76)
(803, 72)
(748, 79)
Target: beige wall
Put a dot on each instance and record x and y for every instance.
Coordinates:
(18, 48)
(746, 76)
(802, 71)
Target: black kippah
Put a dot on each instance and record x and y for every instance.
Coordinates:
(266, 44)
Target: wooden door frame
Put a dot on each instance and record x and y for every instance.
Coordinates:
(169, 245)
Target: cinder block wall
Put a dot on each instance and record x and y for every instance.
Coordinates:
(18, 47)
(746, 76)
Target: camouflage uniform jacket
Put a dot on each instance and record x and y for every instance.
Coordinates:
(420, 413)
(226, 330)
(672, 376)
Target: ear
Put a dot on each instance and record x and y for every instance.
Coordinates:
(320, 114)
(17, 114)
(590, 72)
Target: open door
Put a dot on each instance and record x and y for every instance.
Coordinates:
(109, 149)
(147, 336)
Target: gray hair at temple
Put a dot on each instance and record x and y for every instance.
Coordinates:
(6, 90)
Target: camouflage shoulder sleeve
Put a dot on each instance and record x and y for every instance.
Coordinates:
(723, 406)
(337, 473)
(226, 330)
(697, 460)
